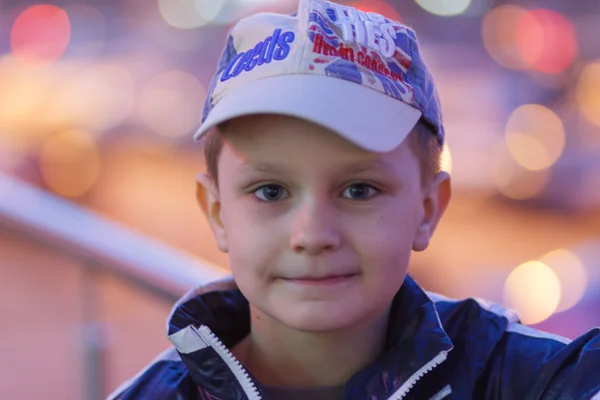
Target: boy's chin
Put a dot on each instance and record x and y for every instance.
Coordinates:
(320, 320)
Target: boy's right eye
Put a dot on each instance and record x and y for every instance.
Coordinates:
(270, 193)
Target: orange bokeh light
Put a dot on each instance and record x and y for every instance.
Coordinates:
(40, 34)
(547, 41)
(379, 7)
(588, 93)
(70, 163)
(499, 34)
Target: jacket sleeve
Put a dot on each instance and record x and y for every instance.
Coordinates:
(529, 364)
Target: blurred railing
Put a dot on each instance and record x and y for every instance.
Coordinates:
(99, 244)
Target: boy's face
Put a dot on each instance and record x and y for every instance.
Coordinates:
(319, 232)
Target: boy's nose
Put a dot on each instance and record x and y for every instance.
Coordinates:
(313, 230)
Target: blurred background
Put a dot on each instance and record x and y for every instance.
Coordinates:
(99, 227)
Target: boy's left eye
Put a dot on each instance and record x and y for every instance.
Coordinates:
(360, 191)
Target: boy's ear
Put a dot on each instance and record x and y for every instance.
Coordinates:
(435, 201)
(207, 194)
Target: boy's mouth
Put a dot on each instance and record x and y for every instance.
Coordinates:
(321, 280)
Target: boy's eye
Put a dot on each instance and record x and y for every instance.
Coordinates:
(360, 191)
(270, 192)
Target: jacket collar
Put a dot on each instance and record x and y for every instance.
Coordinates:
(415, 334)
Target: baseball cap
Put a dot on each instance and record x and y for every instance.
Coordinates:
(357, 73)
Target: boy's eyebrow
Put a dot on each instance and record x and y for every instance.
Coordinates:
(354, 168)
(249, 167)
(369, 165)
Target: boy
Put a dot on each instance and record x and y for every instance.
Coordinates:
(323, 137)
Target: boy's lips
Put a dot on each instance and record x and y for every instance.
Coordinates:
(321, 280)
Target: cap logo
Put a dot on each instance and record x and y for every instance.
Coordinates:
(320, 46)
(273, 48)
(365, 29)
(362, 47)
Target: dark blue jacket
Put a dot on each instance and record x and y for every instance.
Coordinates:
(437, 349)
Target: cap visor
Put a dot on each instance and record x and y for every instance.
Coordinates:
(364, 116)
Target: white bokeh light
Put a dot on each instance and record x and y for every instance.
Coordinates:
(170, 102)
(445, 8)
(534, 290)
(572, 275)
(535, 136)
(447, 159)
(189, 14)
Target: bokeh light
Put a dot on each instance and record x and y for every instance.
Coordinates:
(238, 9)
(38, 101)
(189, 14)
(444, 8)
(100, 97)
(515, 182)
(447, 159)
(257, 2)
(499, 34)
(379, 7)
(535, 136)
(171, 103)
(533, 290)
(572, 275)
(40, 35)
(546, 40)
(88, 30)
(70, 163)
(21, 97)
(588, 93)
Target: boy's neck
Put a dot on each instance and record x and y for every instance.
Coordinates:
(279, 356)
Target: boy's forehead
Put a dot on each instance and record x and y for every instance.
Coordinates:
(267, 133)
(272, 129)
(273, 143)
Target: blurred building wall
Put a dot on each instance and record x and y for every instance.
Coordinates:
(53, 308)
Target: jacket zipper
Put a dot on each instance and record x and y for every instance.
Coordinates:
(234, 365)
(410, 382)
(252, 392)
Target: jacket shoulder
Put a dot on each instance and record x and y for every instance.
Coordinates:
(529, 363)
(163, 378)
(460, 317)
(518, 361)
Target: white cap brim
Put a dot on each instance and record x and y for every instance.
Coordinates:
(371, 120)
